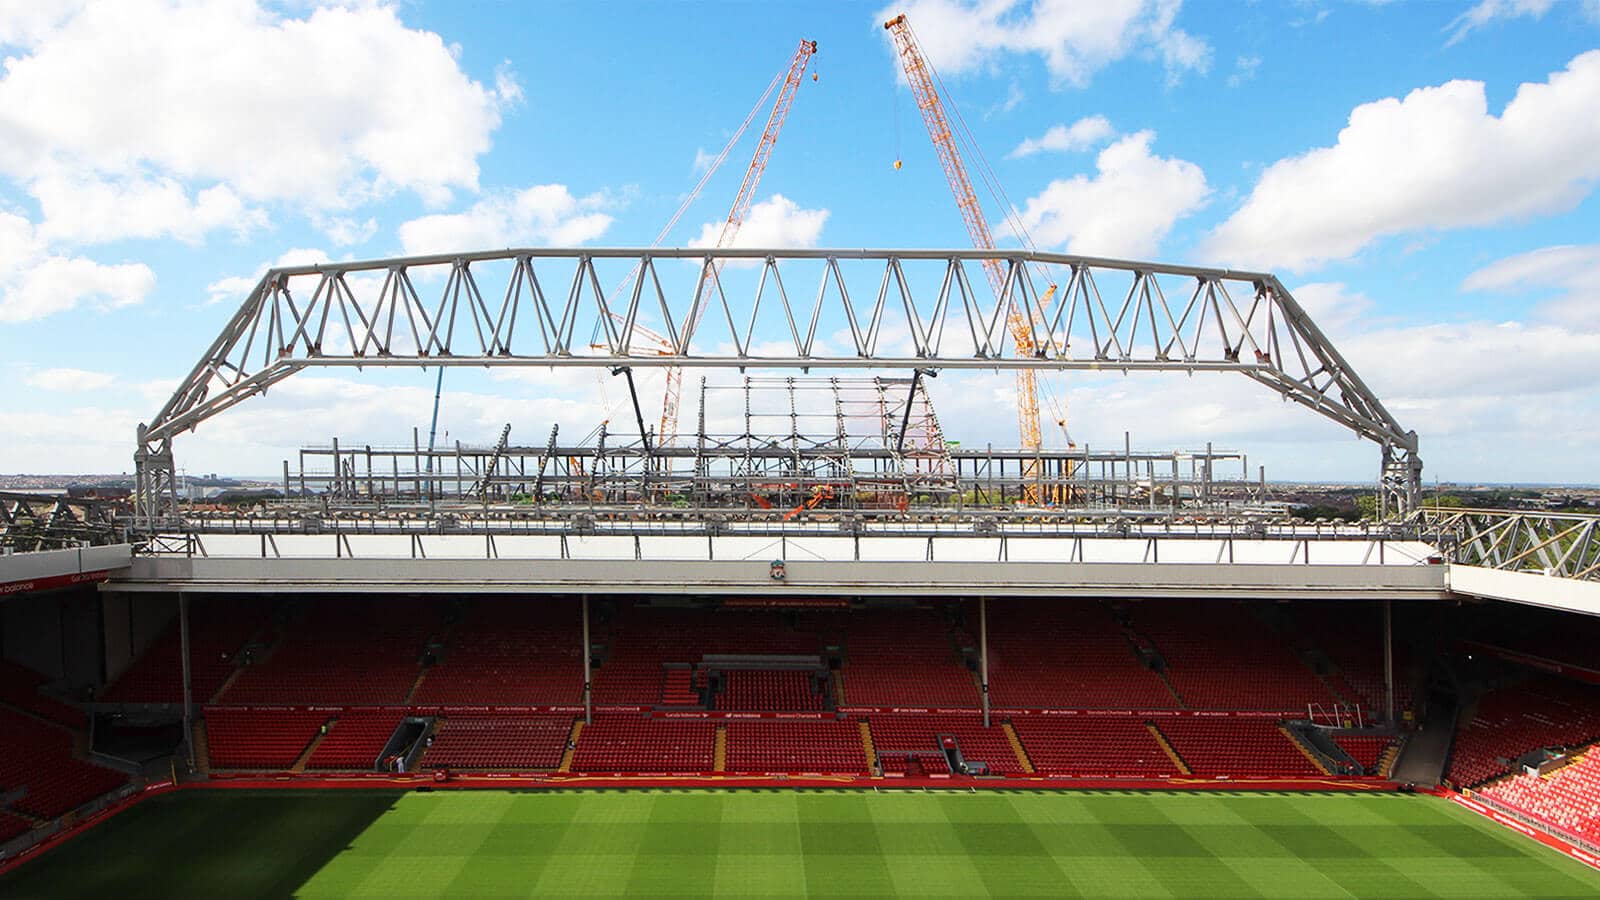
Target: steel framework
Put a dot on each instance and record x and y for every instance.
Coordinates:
(31, 522)
(905, 310)
(1562, 544)
(725, 472)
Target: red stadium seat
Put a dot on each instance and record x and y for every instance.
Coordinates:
(628, 742)
(38, 757)
(768, 746)
(516, 742)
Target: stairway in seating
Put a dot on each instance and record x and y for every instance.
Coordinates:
(1387, 760)
(1172, 690)
(867, 748)
(572, 746)
(416, 684)
(202, 748)
(1166, 747)
(677, 687)
(838, 687)
(305, 755)
(1311, 755)
(1017, 748)
(719, 752)
(269, 647)
(226, 683)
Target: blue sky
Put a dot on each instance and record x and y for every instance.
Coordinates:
(1420, 174)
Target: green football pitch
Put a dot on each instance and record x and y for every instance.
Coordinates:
(227, 843)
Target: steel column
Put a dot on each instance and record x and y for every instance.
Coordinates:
(1388, 661)
(588, 707)
(188, 699)
(983, 654)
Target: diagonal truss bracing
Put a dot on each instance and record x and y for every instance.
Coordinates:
(1549, 543)
(780, 309)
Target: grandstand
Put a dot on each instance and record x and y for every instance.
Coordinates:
(292, 688)
(1143, 690)
(762, 611)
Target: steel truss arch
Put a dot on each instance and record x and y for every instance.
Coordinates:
(886, 309)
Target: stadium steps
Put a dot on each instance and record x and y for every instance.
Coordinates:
(202, 747)
(270, 642)
(305, 755)
(1311, 755)
(1387, 760)
(1328, 682)
(1140, 644)
(226, 683)
(1017, 748)
(677, 687)
(1177, 697)
(572, 746)
(416, 685)
(1167, 748)
(719, 750)
(838, 687)
(866, 745)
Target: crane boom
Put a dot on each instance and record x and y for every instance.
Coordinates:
(668, 433)
(920, 76)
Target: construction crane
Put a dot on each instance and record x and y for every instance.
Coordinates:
(786, 78)
(667, 435)
(1018, 317)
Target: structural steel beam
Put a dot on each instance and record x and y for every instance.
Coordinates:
(1105, 315)
(1565, 545)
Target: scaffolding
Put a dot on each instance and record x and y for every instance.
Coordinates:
(794, 447)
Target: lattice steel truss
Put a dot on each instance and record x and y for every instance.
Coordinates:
(30, 522)
(906, 310)
(1562, 544)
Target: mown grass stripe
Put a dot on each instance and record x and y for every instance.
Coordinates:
(789, 843)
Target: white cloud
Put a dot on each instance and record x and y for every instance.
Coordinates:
(702, 160)
(1572, 270)
(1075, 39)
(94, 210)
(774, 222)
(79, 440)
(346, 231)
(1332, 305)
(542, 214)
(235, 287)
(22, 22)
(1493, 10)
(69, 379)
(1493, 360)
(1436, 159)
(1563, 265)
(1126, 209)
(35, 283)
(1244, 69)
(150, 101)
(1080, 135)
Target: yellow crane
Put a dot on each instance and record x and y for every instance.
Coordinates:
(919, 75)
(668, 432)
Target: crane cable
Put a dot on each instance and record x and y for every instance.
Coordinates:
(894, 111)
(1013, 220)
(711, 170)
